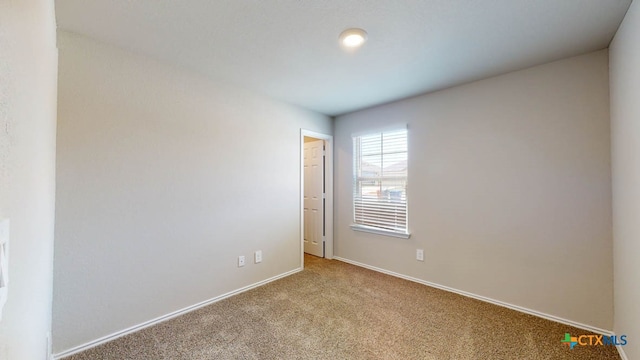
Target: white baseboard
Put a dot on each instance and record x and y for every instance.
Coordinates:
(185, 310)
(482, 298)
(621, 352)
(162, 318)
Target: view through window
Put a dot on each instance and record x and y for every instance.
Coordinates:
(380, 181)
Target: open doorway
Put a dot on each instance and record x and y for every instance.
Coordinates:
(316, 196)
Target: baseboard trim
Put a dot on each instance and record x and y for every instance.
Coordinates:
(621, 352)
(481, 298)
(162, 318)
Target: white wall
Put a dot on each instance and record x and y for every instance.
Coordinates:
(625, 154)
(28, 66)
(509, 189)
(164, 178)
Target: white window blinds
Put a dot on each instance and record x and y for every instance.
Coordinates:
(380, 181)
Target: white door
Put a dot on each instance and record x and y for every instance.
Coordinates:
(313, 199)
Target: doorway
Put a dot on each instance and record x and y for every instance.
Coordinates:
(316, 195)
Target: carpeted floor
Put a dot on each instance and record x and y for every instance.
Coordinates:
(334, 310)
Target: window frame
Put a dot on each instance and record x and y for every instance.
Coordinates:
(360, 225)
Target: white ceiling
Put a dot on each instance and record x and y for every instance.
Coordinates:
(288, 49)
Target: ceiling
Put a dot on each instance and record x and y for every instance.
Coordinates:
(288, 49)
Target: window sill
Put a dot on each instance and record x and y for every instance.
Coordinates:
(377, 231)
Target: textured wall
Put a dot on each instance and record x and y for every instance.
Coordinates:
(164, 178)
(625, 139)
(28, 68)
(509, 189)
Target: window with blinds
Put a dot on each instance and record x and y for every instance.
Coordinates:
(380, 181)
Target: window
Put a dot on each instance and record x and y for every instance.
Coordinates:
(380, 183)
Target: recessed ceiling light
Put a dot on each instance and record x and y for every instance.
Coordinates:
(353, 38)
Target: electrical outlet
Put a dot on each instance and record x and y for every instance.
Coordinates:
(420, 254)
(241, 261)
(258, 256)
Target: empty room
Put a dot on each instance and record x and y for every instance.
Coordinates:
(285, 179)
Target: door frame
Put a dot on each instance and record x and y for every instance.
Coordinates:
(328, 182)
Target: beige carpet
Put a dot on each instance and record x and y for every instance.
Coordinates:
(333, 310)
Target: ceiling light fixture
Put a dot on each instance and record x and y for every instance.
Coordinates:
(353, 38)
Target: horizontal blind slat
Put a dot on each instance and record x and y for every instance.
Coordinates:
(380, 178)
